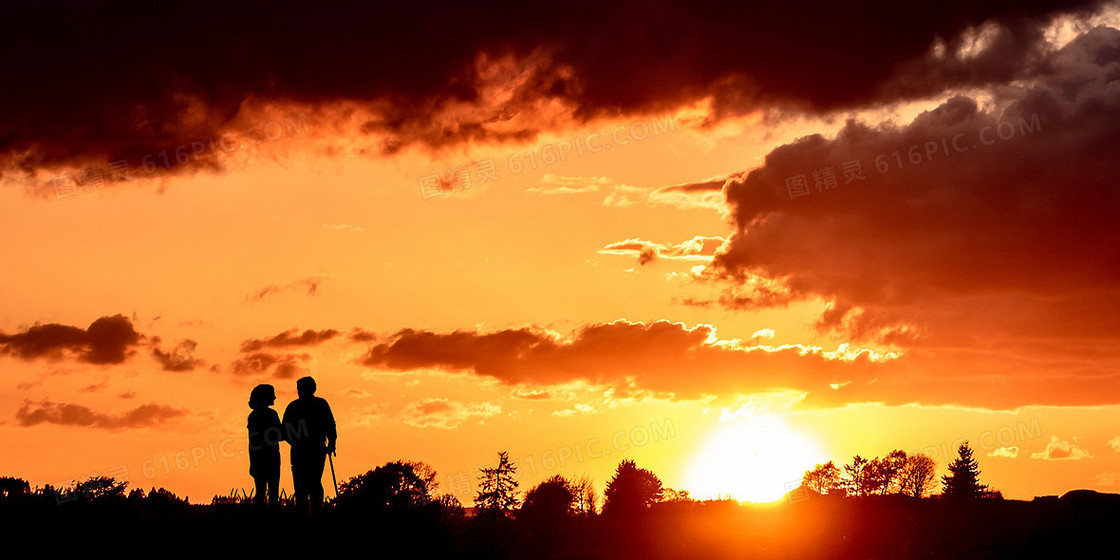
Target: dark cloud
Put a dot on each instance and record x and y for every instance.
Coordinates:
(26, 385)
(360, 335)
(46, 412)
(280, 366)
(702, 187)
(442, 72)
(311, 285)
(1013, 200)
(257, 360)
(289, 338)
(703, 194)
(95, 388)
(663, 357)
(179, 359)
(108, 340)
(981, 237)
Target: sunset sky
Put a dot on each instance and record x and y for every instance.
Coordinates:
(729, 243)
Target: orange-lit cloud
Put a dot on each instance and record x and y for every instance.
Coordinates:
(663, 357)
(698, 248)
(554, 184)
(257, 360)
(444, 413)
(705, 194)
(1008, 452)
(280, 366)
(181, 358)
(1059, 449)
(289, 338)
(33, 413)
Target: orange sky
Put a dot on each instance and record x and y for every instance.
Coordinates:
(569, 310)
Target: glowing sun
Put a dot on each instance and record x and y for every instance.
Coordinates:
(755, 459)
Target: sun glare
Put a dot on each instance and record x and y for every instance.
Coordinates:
(755, 459)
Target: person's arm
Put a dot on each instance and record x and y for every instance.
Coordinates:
(252, 432)
(286, 425)
(332, 433)
(279, 426)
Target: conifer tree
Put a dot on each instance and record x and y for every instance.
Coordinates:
(963, 480)
(498, 487)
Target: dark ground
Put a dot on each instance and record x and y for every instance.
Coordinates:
(820, 527)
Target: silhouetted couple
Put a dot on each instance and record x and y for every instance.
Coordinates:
(309, 429)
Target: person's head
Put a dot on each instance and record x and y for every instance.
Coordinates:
(305, 386)
(262, 396)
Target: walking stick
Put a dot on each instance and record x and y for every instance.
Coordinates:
(329, 458)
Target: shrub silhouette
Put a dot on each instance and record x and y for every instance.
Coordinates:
(12, 488)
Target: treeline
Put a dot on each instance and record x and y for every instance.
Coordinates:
(403, 485)
(397, 510)
(394, 487)
(898, 473)
(98, 490)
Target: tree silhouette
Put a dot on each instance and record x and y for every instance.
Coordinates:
(822, 479)
(99, 488)
(394, 486)
(856, 475)
(917, 476)
(883, 476)
(676, 496)
(897, 473)
(963, 480)
(631, 490)
(585, 498)
(550, 500)
(497, 491)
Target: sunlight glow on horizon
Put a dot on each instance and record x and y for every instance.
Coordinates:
(755, 459)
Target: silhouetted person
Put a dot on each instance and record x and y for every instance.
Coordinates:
(265, 435)
(309, 428)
